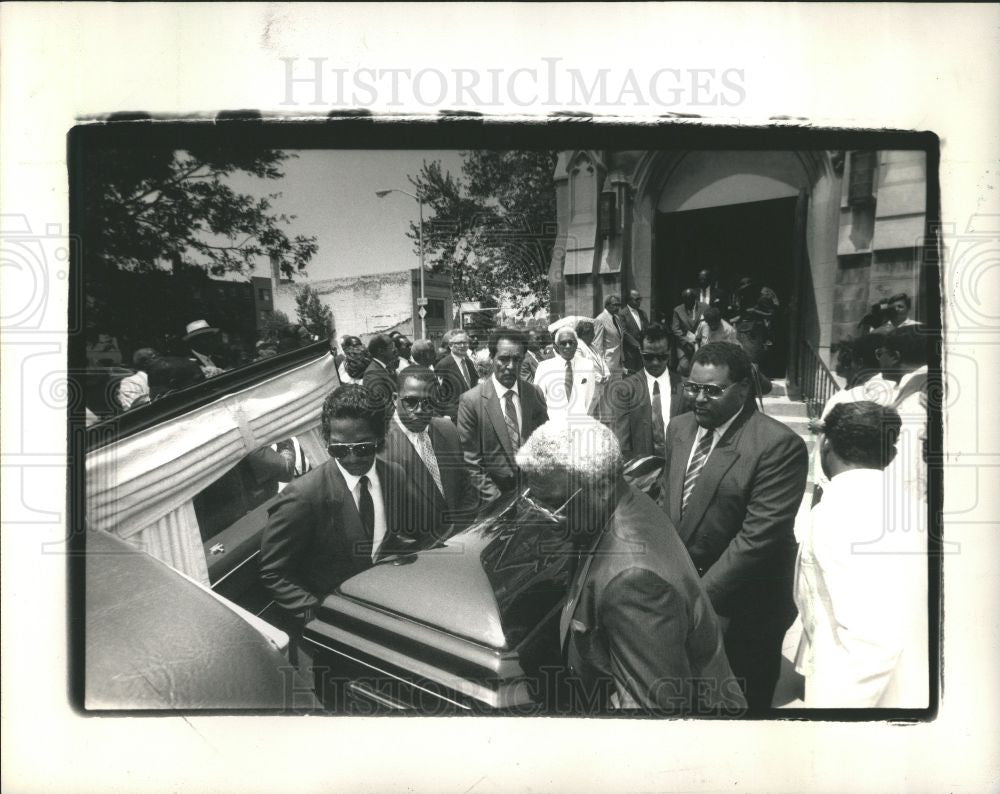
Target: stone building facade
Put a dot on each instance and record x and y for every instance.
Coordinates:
(376, 303)
(830, 232)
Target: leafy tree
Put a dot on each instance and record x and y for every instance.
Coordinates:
(145, 208)
(492, 228)
(275, 323)
(313, 313)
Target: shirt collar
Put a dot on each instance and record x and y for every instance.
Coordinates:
(720, 431)
(409, 433)
(351, 480)
(502, 390)
(379, 363)
(663, 380)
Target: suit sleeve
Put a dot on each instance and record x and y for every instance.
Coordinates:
(647, 623)
(289, 523)
(867, 599)
(599, 331)
(621, 424)
(675, 327)
(776, 494)
(469, 432)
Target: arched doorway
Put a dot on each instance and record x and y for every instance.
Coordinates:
(738, 214)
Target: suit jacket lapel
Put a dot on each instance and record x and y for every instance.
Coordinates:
(679, 455)
(719, 462)
(676, 394)
(495, 413)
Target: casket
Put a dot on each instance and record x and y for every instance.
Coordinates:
(471, 624)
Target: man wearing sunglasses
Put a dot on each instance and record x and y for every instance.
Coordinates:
(429, 451)
(338, 519)
(643, 404)
(732, 485)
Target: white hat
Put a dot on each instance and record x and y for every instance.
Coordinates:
(197, 328)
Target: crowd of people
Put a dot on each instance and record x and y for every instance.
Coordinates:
(425, 438)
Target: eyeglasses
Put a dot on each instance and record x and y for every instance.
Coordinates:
(415, 403)
(710, 390)
(362, 449)
(655, 356)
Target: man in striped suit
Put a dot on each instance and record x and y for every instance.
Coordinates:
(733, 482)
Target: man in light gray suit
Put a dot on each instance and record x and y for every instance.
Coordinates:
(608, 335)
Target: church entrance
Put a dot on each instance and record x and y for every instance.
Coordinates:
(754, 239)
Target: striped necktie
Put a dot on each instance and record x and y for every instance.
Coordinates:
(695, 466)
(510, 417)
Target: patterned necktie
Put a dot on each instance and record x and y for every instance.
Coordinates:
(510, 417)
(569, 379)
(695, 466)
(659, 430)
(426, 452)
(367, 508)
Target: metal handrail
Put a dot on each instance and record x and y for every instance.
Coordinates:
(817, 382)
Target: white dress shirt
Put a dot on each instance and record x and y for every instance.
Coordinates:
(550, 378)
(665, 395)
(502, 395)
(719, 432)
(462, 370)
(375, 489)
(863, 608)
(132, 387)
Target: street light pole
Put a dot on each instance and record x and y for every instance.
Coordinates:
(423, 299)
(420, 239)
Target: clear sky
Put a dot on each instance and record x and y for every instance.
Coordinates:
(332, 193)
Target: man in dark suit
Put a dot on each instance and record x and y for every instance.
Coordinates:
(642, 405)
(429, 451)
(337, 519)
(683, 324)
(732, 485)
(637, 630)
(497, 416)
(380, 375)
(532, 356)
(457, 372)
(634, 324)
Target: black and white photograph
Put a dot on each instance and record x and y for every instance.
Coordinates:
(498, 397)
(532, 431)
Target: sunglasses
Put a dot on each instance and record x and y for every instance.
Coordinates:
(416, 403)
(362, 449)
(710, 390)
(655, 356)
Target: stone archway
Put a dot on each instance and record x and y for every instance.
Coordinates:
(666, 182)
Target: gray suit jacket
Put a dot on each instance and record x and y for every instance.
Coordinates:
(638, 627)
(740, 519)
(608, 341)
(485, 440)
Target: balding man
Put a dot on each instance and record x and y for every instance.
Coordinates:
(683, 325)
(638, 630)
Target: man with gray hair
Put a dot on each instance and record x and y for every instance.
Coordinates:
(637, 630)
(567, 380)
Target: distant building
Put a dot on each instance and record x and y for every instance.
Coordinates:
(365, 305)
(831, 232)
